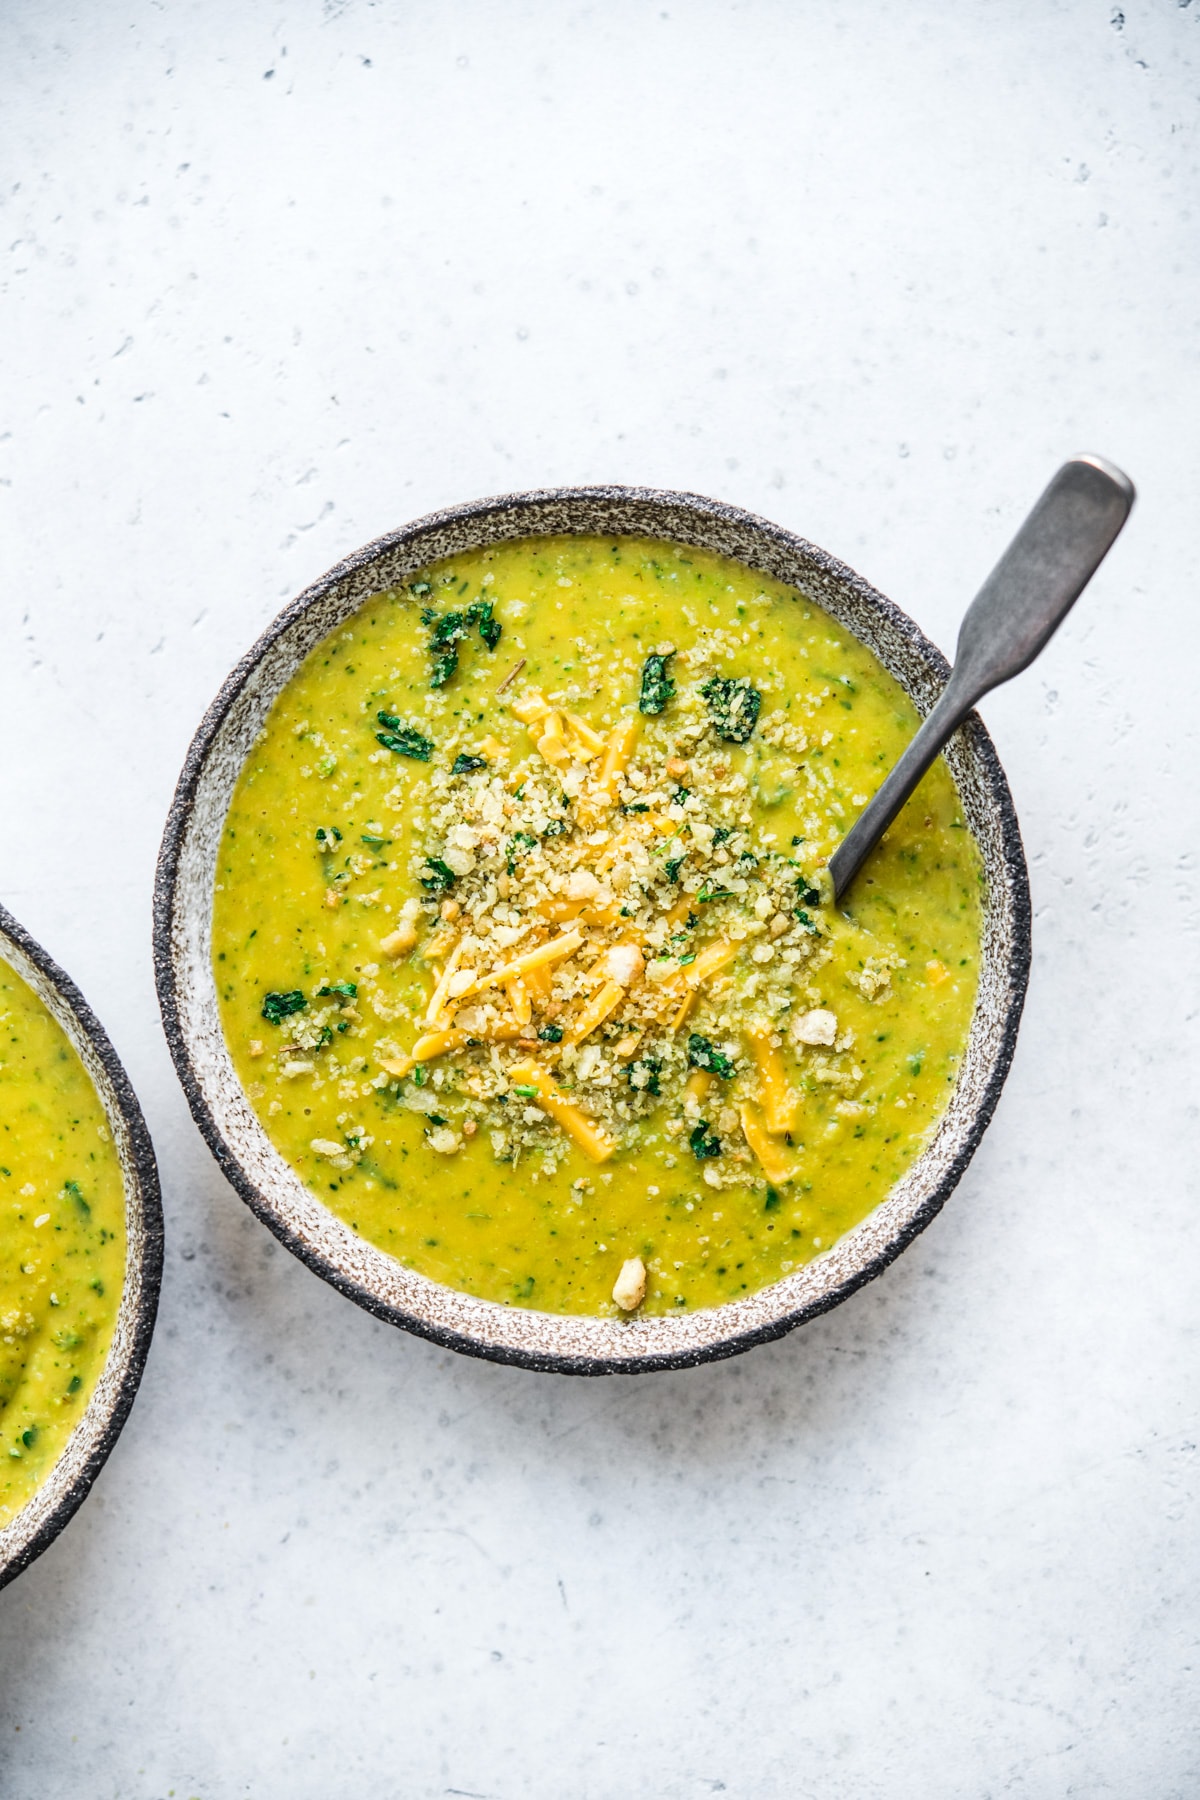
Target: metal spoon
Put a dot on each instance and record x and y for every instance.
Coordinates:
(1010, 621)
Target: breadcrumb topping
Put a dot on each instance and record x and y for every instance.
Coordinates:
(616, 899)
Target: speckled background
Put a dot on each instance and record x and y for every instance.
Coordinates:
(277, 279)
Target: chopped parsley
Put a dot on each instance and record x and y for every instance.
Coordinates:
(551, 1034)
(404, 739)
(657, 686)
(734, 704)
(702, 1055)
(441, 877)
(328, 836)
(278, 1007)
(76, 1192)
(344, 990)
(702, 1143)
(480, 613)
(519, 841)
(446, 632)
(644, 1074)
(673, 867)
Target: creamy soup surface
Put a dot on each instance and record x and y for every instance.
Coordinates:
(62, 1240)
(520, 940)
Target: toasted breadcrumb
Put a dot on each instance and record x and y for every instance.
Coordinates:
(629, 1289)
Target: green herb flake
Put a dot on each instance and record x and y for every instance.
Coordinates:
(277, 1007)
(75, 1191)
(404, 739)
(657, 686)
(551, 1034)
(702, 1055)
(518, 842)
(445, 632)
(644, 1074)
(702, 1143)
(345, 990)
(480, 613)
(441, 877)
(467, 765)
(734, 704)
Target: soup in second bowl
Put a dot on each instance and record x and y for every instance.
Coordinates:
(62, 1240)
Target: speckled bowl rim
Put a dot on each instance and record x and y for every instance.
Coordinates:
(87, 1449)
(187, 995)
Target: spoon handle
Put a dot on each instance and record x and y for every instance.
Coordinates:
(1012, 618)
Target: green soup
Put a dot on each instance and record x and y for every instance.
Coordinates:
(520, 941)
(62, 1241)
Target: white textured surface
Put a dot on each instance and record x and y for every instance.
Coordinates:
(279, 277)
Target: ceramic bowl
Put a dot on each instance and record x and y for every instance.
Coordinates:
(187, 994)
(65, 1488)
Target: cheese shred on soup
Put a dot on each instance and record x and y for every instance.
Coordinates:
(520, 940)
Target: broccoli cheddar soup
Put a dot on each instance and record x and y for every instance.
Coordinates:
(520, 938)
(62, 1240)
